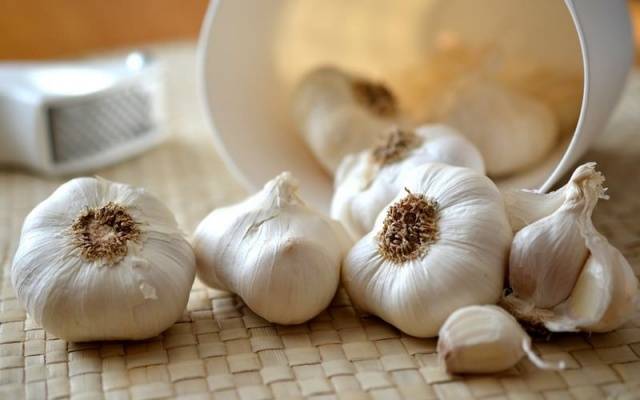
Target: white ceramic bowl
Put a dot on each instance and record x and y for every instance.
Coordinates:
(251, 52)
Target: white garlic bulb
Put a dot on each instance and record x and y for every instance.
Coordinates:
(338, 113)
(366, 182)
(485, 339)
(512, 131)
(564, 274)
(99, 260)
(280, 256)
(438, 247)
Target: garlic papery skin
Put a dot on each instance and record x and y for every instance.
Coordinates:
(485, 339)
(280, 256)
(547, 256)
(338, 113)
(512, 131)
(441, 245)
(99, 260)
(366, 182)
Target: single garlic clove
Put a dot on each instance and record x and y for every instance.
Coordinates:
(547, 256)
(366, 182)
(484, 339)
(441, 246)
(99, 260)
(511, 130)
(280, 256)
(338, 113)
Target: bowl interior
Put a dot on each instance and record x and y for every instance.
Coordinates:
(252, 58)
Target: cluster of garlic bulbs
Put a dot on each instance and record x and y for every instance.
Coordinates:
(366, 182)
(99, 260)
(279, 255)
(564, 274)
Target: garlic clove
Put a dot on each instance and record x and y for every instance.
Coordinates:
(484, 339)
(99, 260)
(366, 182)
(338, 113)
(547, 256)
(280, 256)
(441, 246)
(511, 130)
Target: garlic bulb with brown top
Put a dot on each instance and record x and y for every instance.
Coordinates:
(99, 260)
(338, 113)
(366, 182)
(440, 245)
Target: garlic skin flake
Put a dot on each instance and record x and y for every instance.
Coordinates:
(441, 246)
(485, 339)
(280, 256)
(99, 260)
(603, 293)
(338, 113)
(511, 130)
(366, 182)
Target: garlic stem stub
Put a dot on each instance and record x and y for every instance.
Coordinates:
(512, 131)
(565, 275)
(485, 339)
(99, 260)
(366, 182)
(441, 244)
(280, 256)
(338, 113)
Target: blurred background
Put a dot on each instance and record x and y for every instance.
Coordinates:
(34, 29)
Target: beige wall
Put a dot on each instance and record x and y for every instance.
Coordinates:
(35, 29)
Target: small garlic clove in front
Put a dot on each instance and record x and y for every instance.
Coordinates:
(280, 256)
(99, 260)
(366, 182)
(338, 113)
(484, 339)
(441, 245)
(512, 131)
(547, 256)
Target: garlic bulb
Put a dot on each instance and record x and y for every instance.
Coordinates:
(512, 131)
(547, 255)
(368, 181)
(439, 246)
(281, 257)
(338, 113)
(563, 272)
(485, 339)
(99, 260)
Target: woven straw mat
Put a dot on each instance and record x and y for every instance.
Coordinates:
(220, 349)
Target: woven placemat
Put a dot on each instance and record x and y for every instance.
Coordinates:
(220, 349)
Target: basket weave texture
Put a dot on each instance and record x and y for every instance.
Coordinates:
(220, 349)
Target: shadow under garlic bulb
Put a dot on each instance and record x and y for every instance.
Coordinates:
(99, 260)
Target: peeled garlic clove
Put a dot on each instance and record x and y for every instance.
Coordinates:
(547, 256)
(366, 182)
(512, 131)
(338, 113)
(485, 339)
(280, 256)
(438, 247)
(99, 260)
